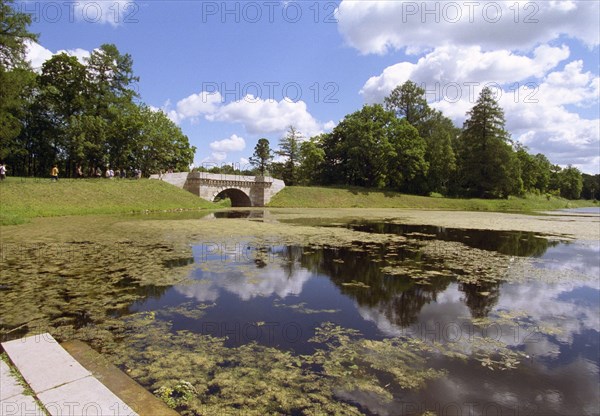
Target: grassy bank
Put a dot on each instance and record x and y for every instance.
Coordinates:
(316, 197)
(25, 198)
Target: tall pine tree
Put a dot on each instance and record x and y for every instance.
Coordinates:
(289, 147)
(262, 156)
(488, 165)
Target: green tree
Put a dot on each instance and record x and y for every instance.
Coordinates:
(262, 156)
(528, 168)
(276, 170)
(591, 187)
(543, 171)
(61, 100)
(571, 183)
(488, 165)
(63, 84)
(535, 170)
(289, 147)
(155, 143)
(358, 148)
(373, 148)
(111, 75)
(91, 132)
(15, 75)
(439, 134)
(407, 161)
(554, 182)
(408, 101)
(13, 35)
(312, 158)
(18, 88)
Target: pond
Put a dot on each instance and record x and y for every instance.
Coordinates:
(314, 315)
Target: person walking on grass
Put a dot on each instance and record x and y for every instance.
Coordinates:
(54, 173)
(3, 170)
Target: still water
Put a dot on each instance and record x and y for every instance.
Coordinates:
(329, 316)
(279, 299)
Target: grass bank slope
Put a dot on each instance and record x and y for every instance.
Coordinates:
(24, 198)
(321, 197)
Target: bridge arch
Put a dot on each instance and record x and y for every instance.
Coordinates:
(238, 197)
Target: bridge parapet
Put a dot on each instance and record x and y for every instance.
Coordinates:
(258, 190)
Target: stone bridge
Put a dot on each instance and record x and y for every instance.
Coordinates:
(244, 191)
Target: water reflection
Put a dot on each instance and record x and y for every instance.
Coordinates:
(514, 243)
(556, 326)
(253, 214)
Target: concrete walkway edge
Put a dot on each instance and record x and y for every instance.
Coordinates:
(61, 384)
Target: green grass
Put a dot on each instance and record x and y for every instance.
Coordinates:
(25, 198)
(321, 197)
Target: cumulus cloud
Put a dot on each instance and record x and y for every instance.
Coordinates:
(218, 156)
(36, 54)
(198, 104)
(539, 100)
(439, 70)
(268, 116)
(257, 115)
(376, 27)
(330, 125)
(541, 118)
(233, 144)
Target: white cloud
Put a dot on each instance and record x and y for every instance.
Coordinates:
(36, 54)
(233, 144)
(172, 115)
(545, 123)
(219, 156)
(380, 26)
(268, 116)
(257, 115)
(439, 70)
(198, 104)
(80, 54)
(330, 125)
(539, 105)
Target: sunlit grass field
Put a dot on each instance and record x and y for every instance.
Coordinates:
(325, 197)
(25, 198)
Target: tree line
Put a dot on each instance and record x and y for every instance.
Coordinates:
(78, 115)
(407, 146)
(87, 116)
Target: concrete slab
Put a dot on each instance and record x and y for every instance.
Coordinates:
(9, 386)
(43, 363)
(20, 405)
(86, 396)
(138, 398)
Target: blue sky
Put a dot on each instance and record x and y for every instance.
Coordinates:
(229, 73)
